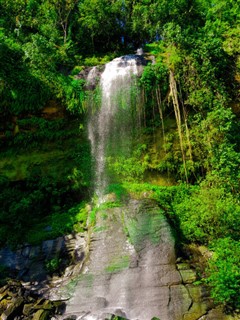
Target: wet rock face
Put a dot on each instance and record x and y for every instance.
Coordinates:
(140, 61)
(29, 263)
(92, 74)
(132, 271)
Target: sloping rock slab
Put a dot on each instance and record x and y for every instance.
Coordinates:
(131, 272)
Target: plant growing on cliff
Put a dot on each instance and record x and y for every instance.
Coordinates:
(131, 168)
(223, 272)
(53, 265)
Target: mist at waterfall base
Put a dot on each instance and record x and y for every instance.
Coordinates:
(113, 124)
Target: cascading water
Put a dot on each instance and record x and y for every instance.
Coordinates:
(110, 125)
(129, 265)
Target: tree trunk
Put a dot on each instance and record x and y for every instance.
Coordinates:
(159, 103)
(174, 95)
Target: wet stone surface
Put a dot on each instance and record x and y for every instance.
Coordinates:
(125, 267)
(132, 271)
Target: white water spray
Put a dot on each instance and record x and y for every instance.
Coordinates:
(115, 84)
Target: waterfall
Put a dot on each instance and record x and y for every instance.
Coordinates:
(110, 125)
(129, 265)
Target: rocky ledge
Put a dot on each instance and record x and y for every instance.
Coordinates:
(17, 302)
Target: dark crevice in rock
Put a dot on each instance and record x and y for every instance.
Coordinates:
(169, 296)
(203, 315)
(191, 298)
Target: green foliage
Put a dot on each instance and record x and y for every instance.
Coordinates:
(22, 91)
(207, 214)
(131, 168)
(100, 23)
(117, 318)
(49, 227)
(40, 188)
(72, 94)
(99, 60)
(223, 272)
(35, 131)
(53, 265)
(118, 189)
(92, 216)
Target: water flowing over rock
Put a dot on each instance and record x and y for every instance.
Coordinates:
(132, 271)
(91, 76)
(112, 123)
(124, 267)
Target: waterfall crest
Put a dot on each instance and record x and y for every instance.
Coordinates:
(109, 126)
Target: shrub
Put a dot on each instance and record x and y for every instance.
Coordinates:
(53, 265)
(224, 272)
(207, 214)
(132, 168)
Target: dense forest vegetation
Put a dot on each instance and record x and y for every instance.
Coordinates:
(191, 96)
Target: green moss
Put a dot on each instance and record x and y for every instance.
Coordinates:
(104, 215)
(103, 209)
(100, 229)
(145, 227)
(18, 167)
(86, 279)
(118, 264)
(118, 189)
